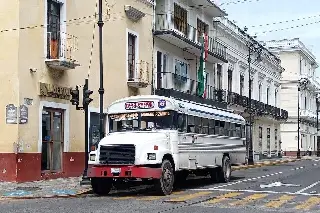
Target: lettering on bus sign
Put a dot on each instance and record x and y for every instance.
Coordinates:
(139, 105)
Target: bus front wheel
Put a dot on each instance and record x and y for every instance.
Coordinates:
(164, 185)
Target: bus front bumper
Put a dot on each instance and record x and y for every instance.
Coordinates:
(124, 171)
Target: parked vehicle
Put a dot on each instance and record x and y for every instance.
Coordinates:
(164, 139)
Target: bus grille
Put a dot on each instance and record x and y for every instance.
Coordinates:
(117, 154)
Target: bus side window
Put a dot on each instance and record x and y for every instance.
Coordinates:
(197, 123)
(211, 127)
(232, 130)
(226, 128)
(181, 123)
(205, 126)
(238, 130)
(216, 127)
(190, 127)
(243, 131)
(221, 128)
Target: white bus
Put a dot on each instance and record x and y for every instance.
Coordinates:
(165, 139)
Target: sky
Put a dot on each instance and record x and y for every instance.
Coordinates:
(252, 13)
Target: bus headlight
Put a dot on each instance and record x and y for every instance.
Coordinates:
(92, 157)
(152, 156)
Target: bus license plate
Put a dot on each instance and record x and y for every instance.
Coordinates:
(115, 170)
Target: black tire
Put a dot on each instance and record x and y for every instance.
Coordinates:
(164, 185)
(101, 186)
(225, 170)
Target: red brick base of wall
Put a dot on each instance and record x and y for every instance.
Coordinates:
(294, 153)
(23, 167)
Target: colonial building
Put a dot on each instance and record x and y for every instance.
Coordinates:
(299, 90)
(264, 77)
(46, 50)
(178, 30)
(179, 27)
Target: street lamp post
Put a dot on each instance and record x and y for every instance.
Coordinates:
(101, 89)
(301, 83)
(317, 105)
(250, 156)
(253, 48)
(298, 151)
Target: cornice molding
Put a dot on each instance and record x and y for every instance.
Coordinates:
(277, 84)
(269, 80)
(232, 59)
(253, 71)
(243, 65)
(261, 75)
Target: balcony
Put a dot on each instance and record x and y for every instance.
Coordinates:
(182, 87)
(308, 114)
(313, 84)
(186, 37)
(60, 51)
(258, 108)
(138, 74)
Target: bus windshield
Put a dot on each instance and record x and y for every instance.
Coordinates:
(141, 121)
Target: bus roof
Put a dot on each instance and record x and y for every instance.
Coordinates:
(145, 103)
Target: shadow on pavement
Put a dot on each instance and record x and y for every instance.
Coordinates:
(134, 189)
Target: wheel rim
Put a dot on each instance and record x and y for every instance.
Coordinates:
(227, 169)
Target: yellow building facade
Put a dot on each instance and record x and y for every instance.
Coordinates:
(46, 51)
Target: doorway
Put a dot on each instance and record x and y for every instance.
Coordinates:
(52, 140)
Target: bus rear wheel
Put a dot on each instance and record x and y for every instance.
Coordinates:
(225, 170)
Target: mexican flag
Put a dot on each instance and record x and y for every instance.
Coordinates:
(201, 90)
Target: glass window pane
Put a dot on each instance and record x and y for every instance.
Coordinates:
(190, 124)
(57, 127)
(56, 156)
(45, 156)
(46, 125)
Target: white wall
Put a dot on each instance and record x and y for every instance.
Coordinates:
(264, 73)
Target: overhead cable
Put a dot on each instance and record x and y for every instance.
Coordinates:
(286, 21)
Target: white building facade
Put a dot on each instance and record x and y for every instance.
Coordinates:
(300, 65)
(177, 28)
(265, 77)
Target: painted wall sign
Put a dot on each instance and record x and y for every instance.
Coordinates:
(23, 114)
(11, 114)
(54, 91)
(139, 105)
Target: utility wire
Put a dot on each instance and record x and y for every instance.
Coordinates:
(286, 21)
(92, 42)
(81, 19)
(287, 28)
(84, 21)
(238, 2)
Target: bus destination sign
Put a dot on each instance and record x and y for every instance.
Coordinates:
(139, 105)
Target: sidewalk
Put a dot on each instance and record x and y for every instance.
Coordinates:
(62, 187)
(70, 187)
(272, 162)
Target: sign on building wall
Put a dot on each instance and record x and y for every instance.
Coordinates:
(11, 114)
(23, 119)
(54, 91)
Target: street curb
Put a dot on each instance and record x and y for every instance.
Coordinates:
(79, 193)
(266, 163)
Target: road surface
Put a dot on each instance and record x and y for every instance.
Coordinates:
(291, 187)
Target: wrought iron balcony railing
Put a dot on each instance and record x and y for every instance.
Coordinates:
(61, 45)
(138, 73)
(184, 84)
(170, 23)
(257, 107)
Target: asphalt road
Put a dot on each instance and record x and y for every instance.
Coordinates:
(292, 187)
